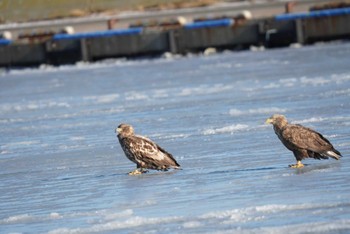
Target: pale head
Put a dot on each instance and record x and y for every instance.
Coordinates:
(125, 130)
(276, 119)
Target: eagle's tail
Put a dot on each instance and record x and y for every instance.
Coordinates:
(333, 154)
(175, 165)
(170, 162)
(166, 168)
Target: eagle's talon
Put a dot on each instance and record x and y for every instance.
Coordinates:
(138, 171)
(298, 165)
(135, 172)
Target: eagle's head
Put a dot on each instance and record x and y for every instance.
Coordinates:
(124, 130)
(277, 119)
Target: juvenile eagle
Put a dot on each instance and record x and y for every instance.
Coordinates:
(303, 142)
(142, 151)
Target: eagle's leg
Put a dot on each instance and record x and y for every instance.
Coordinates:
(298, 165)
(299, 155)
(138, 171)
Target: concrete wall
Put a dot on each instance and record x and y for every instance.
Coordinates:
(22, 55)
(326, 28)
(127, 45)
(63, 52)
(272, 32)
(223, 37)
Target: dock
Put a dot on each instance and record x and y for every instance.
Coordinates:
(234, 33)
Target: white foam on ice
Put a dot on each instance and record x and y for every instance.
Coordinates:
(269, 110)
(85, 66)
(31, 106)
(77, 138)
(314, 81)
(336, 226)
(192, 224)
(14, 145)
(205, 89)
(170, 136)
(338, 92)
(23, 218)
(308, 81)
(288, 82)
(109, 220)
(227, 129)
(105, 215)
(113, 225)
(310, 120)
(135, 96)
(107, 98)
(161, 93)
(340, 78)
(12, 120)
(246, 214)
(271, 86)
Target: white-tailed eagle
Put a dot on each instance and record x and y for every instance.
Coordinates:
(142, 151)
(303, 142)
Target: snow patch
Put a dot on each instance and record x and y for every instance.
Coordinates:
(192, 224)
(135, 96)
(108, 98)
(228, 129)
(19, 144)
(32, 106)
(270, 110)
(77, 138)
(131, 222)
(310, 120)
(17, 219)
(205, 89)
(315, 81)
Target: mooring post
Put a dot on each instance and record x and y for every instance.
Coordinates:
(172, 41)
(84, 50)
(299, 31)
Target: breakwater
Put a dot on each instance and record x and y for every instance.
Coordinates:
(281, 30)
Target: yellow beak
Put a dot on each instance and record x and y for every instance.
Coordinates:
(118, 130)
(268, 121)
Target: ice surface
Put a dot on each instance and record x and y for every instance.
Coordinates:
(63, 171)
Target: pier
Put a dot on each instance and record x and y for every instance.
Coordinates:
(226, 33)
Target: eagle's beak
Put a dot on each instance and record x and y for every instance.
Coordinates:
(268, 121)
(117, 130)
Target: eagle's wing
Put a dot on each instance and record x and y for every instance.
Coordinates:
(169, 156)
(150, 153)
(299, 136)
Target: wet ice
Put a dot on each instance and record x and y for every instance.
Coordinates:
(63, 170)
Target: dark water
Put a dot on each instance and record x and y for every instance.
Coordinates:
(63, 171)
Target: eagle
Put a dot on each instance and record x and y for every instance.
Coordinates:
(144, 152)
(302, 141)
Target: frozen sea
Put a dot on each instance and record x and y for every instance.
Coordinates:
(63, 171)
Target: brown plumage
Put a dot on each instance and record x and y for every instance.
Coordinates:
(142, 151)
(303, 142)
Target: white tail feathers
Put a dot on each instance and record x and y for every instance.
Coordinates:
(333, 155)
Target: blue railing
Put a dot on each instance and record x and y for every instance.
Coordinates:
(209, 24)
(314, 14)
(5, 41)
(119, 32)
